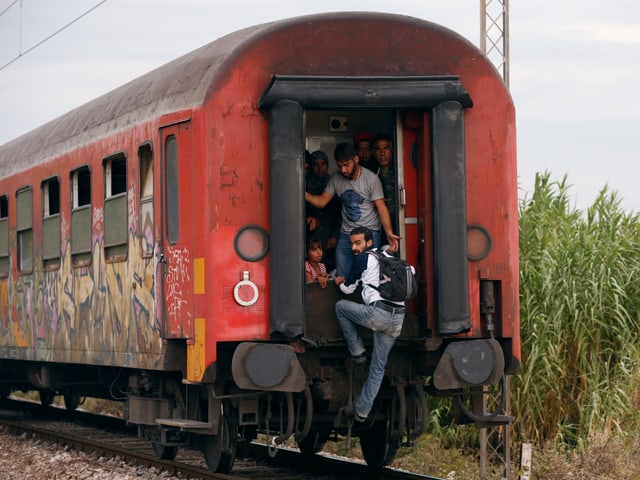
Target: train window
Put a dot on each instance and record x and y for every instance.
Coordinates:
(115, 208)
(81, 182)
(81, 217)
(145, 154)
(171, 159)
(115, 176)
(51, 223)
(4, 236)
(24, 229)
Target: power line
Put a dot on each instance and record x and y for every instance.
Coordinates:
(21, 54)
(5, 10)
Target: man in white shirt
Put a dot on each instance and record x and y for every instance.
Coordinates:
(382, 316)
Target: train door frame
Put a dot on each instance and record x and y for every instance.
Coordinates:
(175, 256)
(398, 145)
(287, 98)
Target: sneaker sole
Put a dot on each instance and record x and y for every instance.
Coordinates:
(359, 360)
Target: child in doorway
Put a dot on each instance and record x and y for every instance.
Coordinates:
(314, 269)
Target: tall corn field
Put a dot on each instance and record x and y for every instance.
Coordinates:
(580, 318)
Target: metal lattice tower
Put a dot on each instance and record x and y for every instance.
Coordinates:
(495, 441)
(494, 43)
(494, 34)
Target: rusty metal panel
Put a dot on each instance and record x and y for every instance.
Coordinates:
(321, 323)
(81, 230)
(24, 205)
(51, 237)
(25, 250)
(450, 220)
(115, 220)
(145, 411)
(287, 228)
(4, 237)
(415, 92)
(179, 243)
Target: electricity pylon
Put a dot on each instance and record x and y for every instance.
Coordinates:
(494, 34)
(495, 441)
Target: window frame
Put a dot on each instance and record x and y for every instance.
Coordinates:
(24, 230)
(81, 218)
(116, 218)
(146, 199)
(51, 226)
(172, 188)
(5, 252)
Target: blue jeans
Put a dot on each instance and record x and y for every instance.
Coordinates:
(386, 328)
(344, 254)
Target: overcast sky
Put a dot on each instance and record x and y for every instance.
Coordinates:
(575, 68)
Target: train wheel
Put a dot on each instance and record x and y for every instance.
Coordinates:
(71, 401)
(378, 447)
(164, 452)
(417, 411)
(46, 397)
(220, 450)
(313, 442)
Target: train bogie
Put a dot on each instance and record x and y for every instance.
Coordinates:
(152, 241)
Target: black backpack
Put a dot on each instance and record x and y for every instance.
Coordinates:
(397, 280)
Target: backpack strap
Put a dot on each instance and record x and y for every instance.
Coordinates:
(374, 252)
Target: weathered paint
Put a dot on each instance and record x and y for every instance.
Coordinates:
(95, 314)
(178, 278)
(196, 357)
(198, 276)
(101, 314)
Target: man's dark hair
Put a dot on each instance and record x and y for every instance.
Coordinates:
(344, 152)
(383, 136)
(364, 230)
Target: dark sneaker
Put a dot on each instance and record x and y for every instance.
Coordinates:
(360, 418)
(359, 359)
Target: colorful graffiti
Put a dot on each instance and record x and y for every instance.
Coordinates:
(100, 314)
(178, 283)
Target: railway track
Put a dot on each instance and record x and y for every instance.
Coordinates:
(109, 437)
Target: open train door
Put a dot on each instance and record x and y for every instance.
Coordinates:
(438, 211)
(175, 256)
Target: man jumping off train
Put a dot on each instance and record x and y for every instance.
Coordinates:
(384, 317)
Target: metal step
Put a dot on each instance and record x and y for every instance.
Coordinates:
(183, 423)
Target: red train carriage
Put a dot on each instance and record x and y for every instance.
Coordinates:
(152, 241)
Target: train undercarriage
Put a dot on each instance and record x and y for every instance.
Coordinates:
(298, 390)
(310, 405)
(218, 416)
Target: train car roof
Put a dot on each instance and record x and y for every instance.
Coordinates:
(177, 85)
(181, 84)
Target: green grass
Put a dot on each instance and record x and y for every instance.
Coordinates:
(578, 396)
(580, 298)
